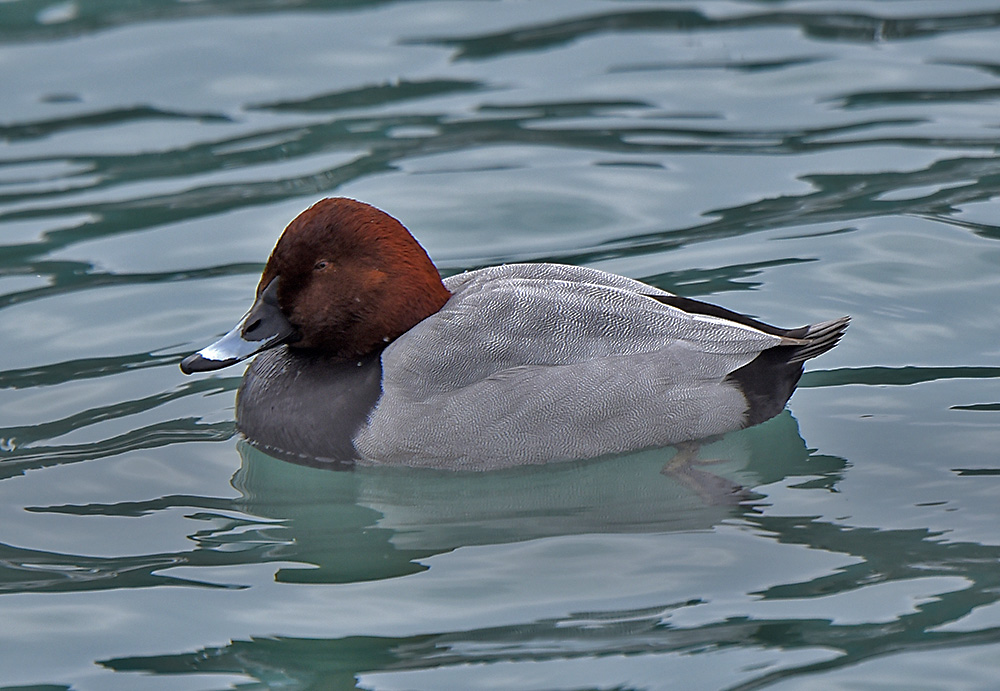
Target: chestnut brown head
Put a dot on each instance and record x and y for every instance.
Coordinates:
(344, 280)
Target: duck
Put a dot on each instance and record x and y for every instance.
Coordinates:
(365, 355)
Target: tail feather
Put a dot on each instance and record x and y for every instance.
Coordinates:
(768, 380)
(818, 339)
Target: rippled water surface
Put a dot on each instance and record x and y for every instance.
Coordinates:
(792, 160)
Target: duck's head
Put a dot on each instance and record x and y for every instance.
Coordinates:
(343, 280)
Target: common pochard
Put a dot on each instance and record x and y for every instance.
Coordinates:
(367, 356)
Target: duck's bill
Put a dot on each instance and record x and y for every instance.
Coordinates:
(263, 327)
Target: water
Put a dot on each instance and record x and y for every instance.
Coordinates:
(792, 160)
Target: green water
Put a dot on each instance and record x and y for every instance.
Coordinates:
(791, 160)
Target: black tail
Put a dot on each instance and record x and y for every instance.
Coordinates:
(767, 382)
(819, 339)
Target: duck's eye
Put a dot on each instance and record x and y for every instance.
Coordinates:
(321, 264)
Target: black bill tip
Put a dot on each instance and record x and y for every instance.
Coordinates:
(196, 363)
